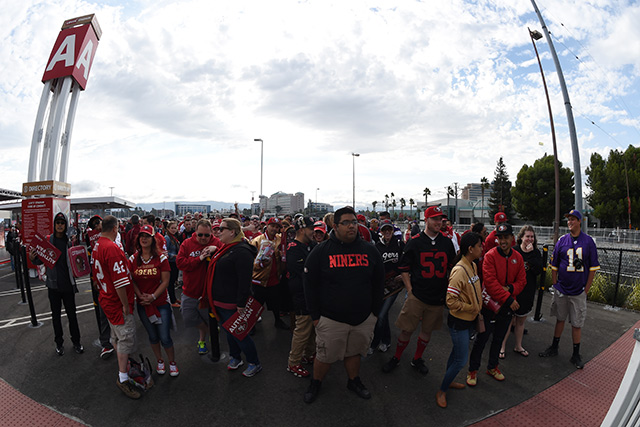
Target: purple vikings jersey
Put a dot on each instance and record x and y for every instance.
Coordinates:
(572, 280)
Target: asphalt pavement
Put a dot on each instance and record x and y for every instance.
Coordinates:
(205, 393)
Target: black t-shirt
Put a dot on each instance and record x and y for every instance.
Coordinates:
(429, 262)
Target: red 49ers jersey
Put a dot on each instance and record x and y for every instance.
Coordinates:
(111, 272)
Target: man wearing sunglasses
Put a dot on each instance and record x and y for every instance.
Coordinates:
(192, 261)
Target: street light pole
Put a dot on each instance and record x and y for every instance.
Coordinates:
(577, 174)
(261, 163)
(535, 35)
(354, 155)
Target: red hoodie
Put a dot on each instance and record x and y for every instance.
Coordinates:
(194, 271)
(499, 271)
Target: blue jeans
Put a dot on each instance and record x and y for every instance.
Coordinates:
(458, 356)
(158, 333)
(382, 330)
(246, 346)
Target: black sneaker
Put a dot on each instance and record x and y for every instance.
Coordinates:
(60, 349)
(577, 361)
(358, 388)
(549, 352)
(78, 348)
(106, 353)
(418, 365)
(312, 392)
(390, 365)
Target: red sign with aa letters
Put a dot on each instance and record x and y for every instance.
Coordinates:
(47, 253)
(240, 326)
(72, 55)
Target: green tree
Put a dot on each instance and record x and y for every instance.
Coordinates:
(484, 184)
(534, 192)
(607, 181)
(500, 198)
(426, 193)
(411, 203)
(374, 203)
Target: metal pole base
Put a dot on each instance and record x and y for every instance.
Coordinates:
(32, 326)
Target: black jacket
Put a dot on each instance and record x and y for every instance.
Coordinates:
(232, 276)
(297, 254)
(344, 281)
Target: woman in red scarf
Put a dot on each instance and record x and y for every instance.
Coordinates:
(229, 286)
(150, 271)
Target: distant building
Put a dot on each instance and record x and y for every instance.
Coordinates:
(184, 208)
(319, 207)
(473, 192)
(289, 203)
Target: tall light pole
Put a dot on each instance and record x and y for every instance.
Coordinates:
(354, 155)
(577, 174)
(317, 197)
(112, 190)
(261, 157)
(535, 35)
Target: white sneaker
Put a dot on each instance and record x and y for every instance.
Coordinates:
(173, 369)
(160, 369)
(383, 347)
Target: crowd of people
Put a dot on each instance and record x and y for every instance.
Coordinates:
(336, 278)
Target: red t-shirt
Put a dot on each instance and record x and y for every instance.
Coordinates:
(111, 271)
(148, 276)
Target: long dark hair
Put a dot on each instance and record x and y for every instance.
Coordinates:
(468, 240)
(154, 248)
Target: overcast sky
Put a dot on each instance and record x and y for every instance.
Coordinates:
(429, 93)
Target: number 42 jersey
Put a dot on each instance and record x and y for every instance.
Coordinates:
(110, 271)
(429, 262)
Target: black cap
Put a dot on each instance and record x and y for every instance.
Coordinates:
(302, 222)
(504, 229)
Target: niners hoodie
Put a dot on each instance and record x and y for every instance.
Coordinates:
(344, 281)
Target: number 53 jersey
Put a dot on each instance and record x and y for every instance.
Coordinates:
(111, 272)
(429, 262)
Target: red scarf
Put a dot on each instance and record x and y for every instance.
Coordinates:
(207, 297)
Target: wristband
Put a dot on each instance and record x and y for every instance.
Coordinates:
(154, 296)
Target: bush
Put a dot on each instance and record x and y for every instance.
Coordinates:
(603, 290)
(633, 300)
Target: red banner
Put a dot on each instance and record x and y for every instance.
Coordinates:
(47, 253)
(240, 326)
(79, 261)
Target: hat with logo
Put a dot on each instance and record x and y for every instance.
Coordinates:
(361, 217)
(574, 212)
(147, 229)
(433, 211)
(302, 222)
(320, 226)
(216, 224)
(500, 217)
(504, 229)
(386, 223)
(275, 221)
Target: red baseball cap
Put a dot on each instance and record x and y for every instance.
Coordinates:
(433, 211)
(147, 229)
(215, 225)
(320, 226)
(274, 220)
(361, 217)
(500, 217)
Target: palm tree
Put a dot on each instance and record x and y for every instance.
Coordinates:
(386, 202)
(484, 184)
(393, 205)
(449, 194)
(374, 203)
(403, 203)
(426, 194)
(411, 203)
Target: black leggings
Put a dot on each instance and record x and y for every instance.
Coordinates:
(57, 299)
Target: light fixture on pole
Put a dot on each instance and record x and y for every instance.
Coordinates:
(535, 35)
(577, 173)
(261, 157)
(354, 155)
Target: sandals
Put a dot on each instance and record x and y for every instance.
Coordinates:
(502, 355)
(523, 352)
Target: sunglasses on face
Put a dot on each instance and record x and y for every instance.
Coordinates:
(224, 228)
(203, 235)
(60, 223)
(348, 223)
